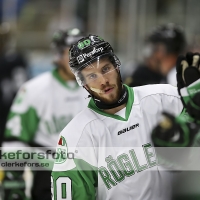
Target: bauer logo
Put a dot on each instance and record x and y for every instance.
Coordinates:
(80, 59)
(128, 129)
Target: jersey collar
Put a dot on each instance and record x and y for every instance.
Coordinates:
(62, 82)
(129, 104)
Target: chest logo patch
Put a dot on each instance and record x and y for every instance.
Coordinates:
(128, 129)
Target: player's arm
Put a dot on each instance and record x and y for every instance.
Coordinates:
(76, 183)
(21, 125)
(22, 121)
(183, 130)
(188, 78)
(74, 174)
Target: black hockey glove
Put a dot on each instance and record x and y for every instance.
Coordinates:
(174, 132)
(171, 138)
(188, 78)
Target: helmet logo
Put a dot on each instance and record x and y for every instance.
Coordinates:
(95, 39)
(81, 57)
(85, 43)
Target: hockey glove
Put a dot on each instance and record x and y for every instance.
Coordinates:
(188, 78)
(171, 138)
(174, 132)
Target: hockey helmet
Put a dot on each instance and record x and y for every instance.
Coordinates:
(65, 38)
(87, 51)
(171, 35)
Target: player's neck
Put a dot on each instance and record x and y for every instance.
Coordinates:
(115, 110)
(65, 76)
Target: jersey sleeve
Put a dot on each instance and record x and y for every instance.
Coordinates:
(78, 183)
(171, 102)
(74, 176)
(22, 120)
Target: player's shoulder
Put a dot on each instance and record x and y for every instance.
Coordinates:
(76, 128)
(39, 82)
(154, 90)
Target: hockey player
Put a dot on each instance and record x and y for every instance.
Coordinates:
(106, 152)
(183, 131)
(41, 109)
(188, 78)
(13, 73)
(162, 47)
(166, 43)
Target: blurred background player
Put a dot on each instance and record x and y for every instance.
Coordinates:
(163, 45)
(183, 131)
(41, 109)
(13, 73)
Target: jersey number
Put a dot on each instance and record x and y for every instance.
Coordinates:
(14, 124)
(64, 188)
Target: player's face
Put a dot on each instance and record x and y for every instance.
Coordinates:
(103, 81)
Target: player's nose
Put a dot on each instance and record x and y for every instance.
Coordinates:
(103, 79)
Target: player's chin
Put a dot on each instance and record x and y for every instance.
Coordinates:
(109, 99)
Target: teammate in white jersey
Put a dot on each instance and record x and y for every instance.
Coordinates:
(106, 152)
(41, 109)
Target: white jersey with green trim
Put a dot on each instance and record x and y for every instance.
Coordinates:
(42, 108)
(112, 156)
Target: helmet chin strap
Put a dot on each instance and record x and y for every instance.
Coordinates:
(122, 100)
(102, 105)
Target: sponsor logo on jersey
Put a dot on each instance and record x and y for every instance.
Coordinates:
(81, 58)
(128, 129)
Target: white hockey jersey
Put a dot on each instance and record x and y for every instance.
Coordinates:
(103, 156)
(42, 108)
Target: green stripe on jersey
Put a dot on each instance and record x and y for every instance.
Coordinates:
(22, 126)
(129, 105)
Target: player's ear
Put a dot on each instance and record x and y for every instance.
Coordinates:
(117, 69)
